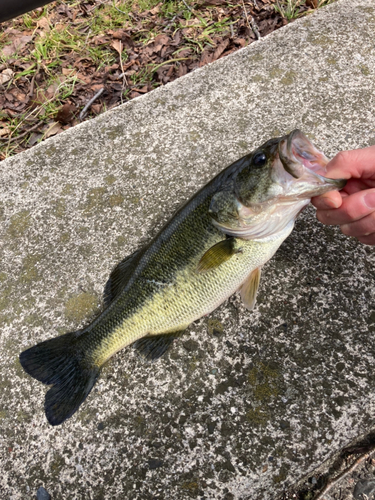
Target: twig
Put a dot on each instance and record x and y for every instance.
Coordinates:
(186, 5)
(31, 129)
(170, 23)
(83, 113)
(31, 91)
(122, 12)
(252, 24)
(124, 80)
(334, 481)
(255, 28)
(231, 30)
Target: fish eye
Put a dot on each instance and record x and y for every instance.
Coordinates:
(259, 159)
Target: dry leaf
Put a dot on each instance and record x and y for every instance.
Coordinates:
(117, 45)
(156, 9)
(53, 129)
(4, 131)
(43, 22)
(17, 44)
(6, 75)
(66, 113)
(68, 71)
(220, 49)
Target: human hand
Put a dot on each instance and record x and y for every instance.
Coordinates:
(353, 208)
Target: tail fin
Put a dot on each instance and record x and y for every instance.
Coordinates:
(61, 363)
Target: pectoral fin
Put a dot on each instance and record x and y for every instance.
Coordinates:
(249, 289)
(217, 255)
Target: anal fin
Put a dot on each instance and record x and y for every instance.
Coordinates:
(249, 289)
(153, 347)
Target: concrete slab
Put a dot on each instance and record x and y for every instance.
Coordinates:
(245, 404)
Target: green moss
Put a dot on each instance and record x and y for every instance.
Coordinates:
(276, 132)
(282, 475)
(110, 179)
(64, 237)
(364, 70)
(265, 382)
(5, 298)
(67, 189)
(19, 223)
(289, 78)
(257, 78)
(116, 200)
(331, 60)
(275, 72)
(3, 277)
(256, 58)
(243, 145)
(322, 40)
(81, 306)
(121, 241)
(56, 465)
(50, 151)
(29, 270)
(194, 136)
(59, 208)
(23, 417)
(95, 198)
(191, 486)
(117, 131)
(258, 416)
(214, 327)
(265, 391)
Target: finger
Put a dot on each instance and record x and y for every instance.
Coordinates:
(326, 201)
(368, 240)
(358, 163)
(353, 208)
(362, 227)
(354, 185)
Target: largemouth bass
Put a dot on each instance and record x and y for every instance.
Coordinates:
(215, 245)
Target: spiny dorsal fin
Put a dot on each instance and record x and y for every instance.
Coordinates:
(217, 255)
(249, 289)
(121, 275)
(154, 346)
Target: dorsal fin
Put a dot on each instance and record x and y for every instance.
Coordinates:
(121, 275)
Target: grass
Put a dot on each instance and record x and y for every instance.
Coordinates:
(291, 9)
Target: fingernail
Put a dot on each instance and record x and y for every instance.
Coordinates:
(369, 199)
(329, 203)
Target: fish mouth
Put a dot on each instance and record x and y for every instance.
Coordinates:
(303, 165)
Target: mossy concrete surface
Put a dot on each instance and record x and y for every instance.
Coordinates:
(246, 403)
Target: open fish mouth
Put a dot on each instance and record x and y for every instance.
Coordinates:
(305, 165)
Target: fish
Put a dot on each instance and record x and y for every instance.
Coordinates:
(213, 246)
